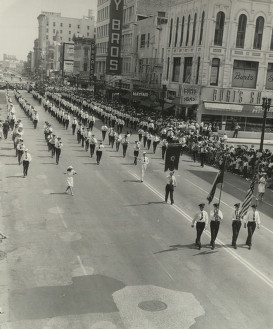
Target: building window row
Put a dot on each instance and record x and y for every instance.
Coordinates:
(101, 2)
(102, 48)
(103, 14)
(186, 42)
(144, 40)
(103, 31)
(128, 14)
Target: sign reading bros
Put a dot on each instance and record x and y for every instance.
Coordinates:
(113, 61)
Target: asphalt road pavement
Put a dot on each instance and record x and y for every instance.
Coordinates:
(114, 256)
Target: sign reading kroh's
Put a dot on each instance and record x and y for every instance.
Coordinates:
(113, 61)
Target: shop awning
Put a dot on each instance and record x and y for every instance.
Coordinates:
(235, 110)
(167, 106)
(146, 103)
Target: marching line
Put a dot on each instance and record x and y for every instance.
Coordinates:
(234, 254)
(81, 265)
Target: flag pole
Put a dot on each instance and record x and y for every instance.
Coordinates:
(220, 195)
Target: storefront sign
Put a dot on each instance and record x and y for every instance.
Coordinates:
(190, 94)
(68, 67)
(113, 60)
(232, 95)
(244, 78)
(92, 61)
(140, 94)
(68, 52)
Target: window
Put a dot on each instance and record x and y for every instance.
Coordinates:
(53, 30)
(85, 66)
(148, 40)
(87, 34)
(176, 31)
(140, 66)
(245, 74)
(168, 67)
(69, 39)
(54, 24)
(182, 31)
(69, 32)
(61, 38)
(86, 52)
(271, 43)
(61, 24)
(188, 29)
(269, 77)
(176, 69)
(88, 27)
(241, 32)
(194, 29)
(171, 32)
(79, 26)
(219, 29)
(142, 41)
(61, 31)
(258, 37)
(46, 30)
(137, 42)
(187, 70)
(197, 70)
(202, 28)
(214, 73)
(69, 25)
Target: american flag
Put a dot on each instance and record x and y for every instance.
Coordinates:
(248, 199)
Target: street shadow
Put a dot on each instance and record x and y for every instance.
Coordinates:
(11, 164)
(6, 148)
(61, 193)
(184, 160)
(131, 181)
(21, 176)
(116, 156)
(90, 163)
(43, 156)
(7, 155)
(111, 151)
(127, 164)
(45, 163)
(144, 204)
(156, 158)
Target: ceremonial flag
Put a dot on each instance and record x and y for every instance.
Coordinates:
(248, 199)
(218, 179)
(172, 156)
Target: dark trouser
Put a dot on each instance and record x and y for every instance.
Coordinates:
(199, 230)
(83, 140)
(250, 230)
(163, 152)
(103, 135)
(144, 141)
(92, 149)
(169, 189)
(194, 154)
(154, 146)
(25, 167)
(86, 145)
(236, 225)
(117, 146)
(53, 150)
(124, 146)
(91, 125)
(140, 137)
(149, 141)
(203, 156)
(235, 134)
(136, 153)
(66, 124)
(5, 133)
(214, 228)
(58, 153)
(35, 122)
(19, 153)
(79, 136)
(73, 128)
(99, 155)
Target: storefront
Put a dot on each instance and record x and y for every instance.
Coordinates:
(229, 106)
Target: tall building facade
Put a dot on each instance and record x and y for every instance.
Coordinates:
(55, 30)
(219, 60)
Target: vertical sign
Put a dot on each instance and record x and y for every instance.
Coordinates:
(92, 61)
(113, 60)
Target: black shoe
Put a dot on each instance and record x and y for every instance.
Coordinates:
(249, 247)
(235, 246)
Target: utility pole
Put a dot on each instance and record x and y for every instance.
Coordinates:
(163, 96)
(266, 106)
(119, 92)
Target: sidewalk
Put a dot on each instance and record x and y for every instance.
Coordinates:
(250, 141)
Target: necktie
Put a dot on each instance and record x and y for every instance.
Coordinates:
(216, 215)
(253, 216)
(201, 218)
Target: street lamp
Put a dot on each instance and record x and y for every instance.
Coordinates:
(266, 106)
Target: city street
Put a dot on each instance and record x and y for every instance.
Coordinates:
(114, 256)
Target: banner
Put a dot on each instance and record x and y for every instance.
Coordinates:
(172, 156)
(218, 180)
(68, 52)
(68, 67)
(92, 61)
(113, 60)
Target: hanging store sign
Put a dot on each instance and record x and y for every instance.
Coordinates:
(113, 60)
(190, 94)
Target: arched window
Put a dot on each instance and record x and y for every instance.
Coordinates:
(219, 29)
(202, 28)
(259, 29)
(182, 31)
(171, 32)
(194, 29)
(188, 30)
(176, 31)
(241, 32)
(214, 74)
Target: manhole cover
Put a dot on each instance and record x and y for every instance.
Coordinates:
(152, 305)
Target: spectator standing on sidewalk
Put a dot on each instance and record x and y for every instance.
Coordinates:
(236, 130)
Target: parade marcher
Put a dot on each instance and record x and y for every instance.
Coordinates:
(74, 125)
(70, 172)
(164, 147)
(261, 186)
(236, 224)
(140, 134)
(35, 119)
(58, 148)
(6, 127)
(125, 143)
(136, 151)
(169, 189)
(26, 161)
(156, 141)
(118, 141)
(99, 151)
(144, 163)
(201, 219)
(251, 220)
(215, 217)
(104, 129)
(93, 142)
(20, 150)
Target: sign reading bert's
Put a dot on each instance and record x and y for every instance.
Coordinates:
(113, 61)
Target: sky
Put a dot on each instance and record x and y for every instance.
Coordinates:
(19, 24)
